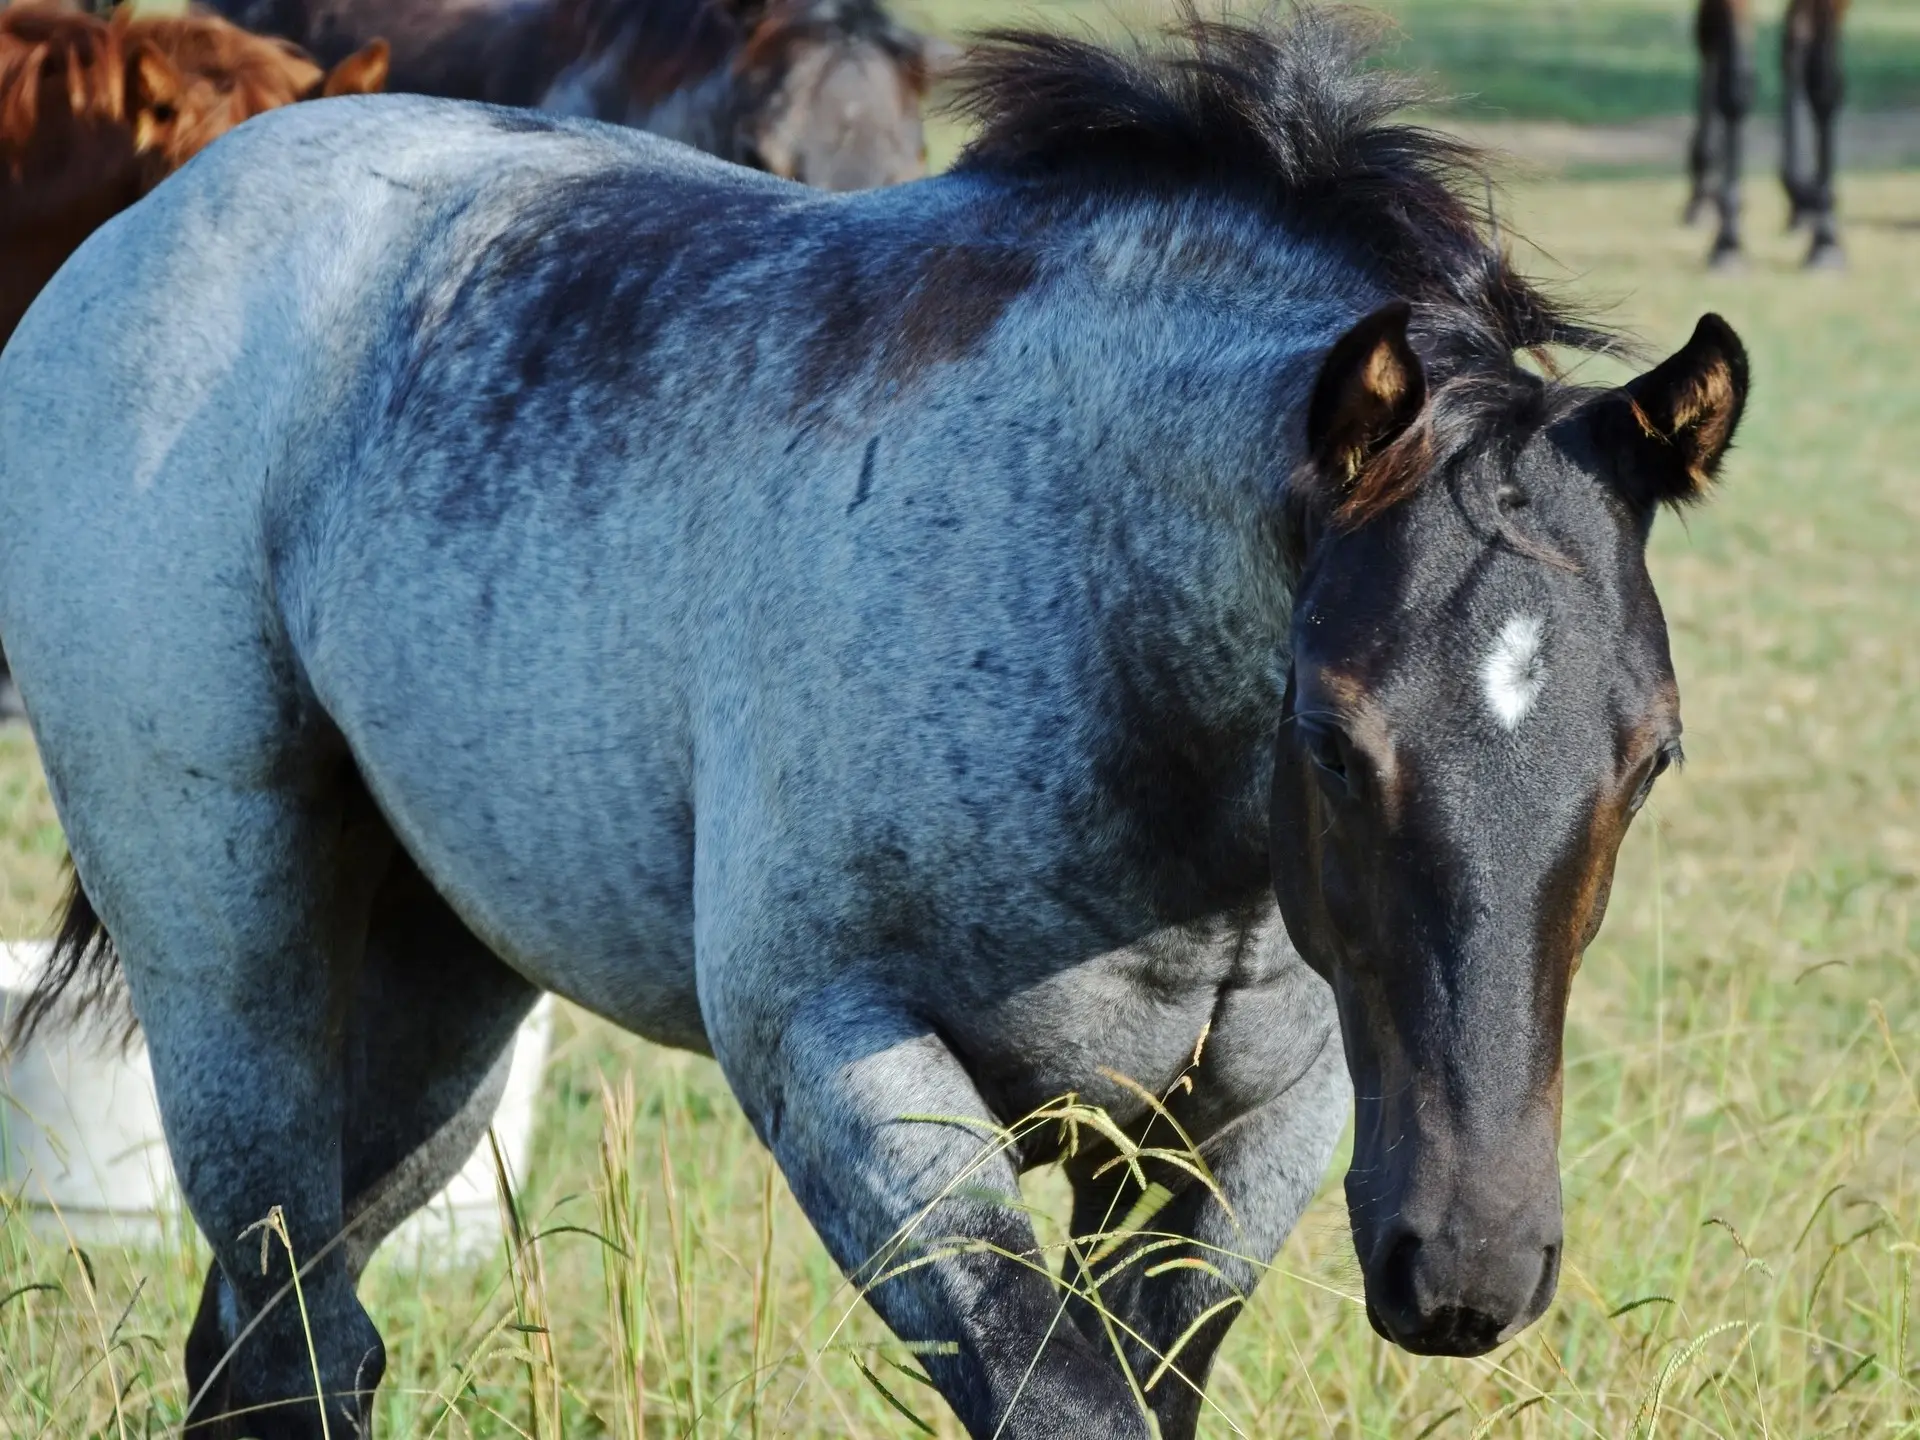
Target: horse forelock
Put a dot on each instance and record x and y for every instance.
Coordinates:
(84, 61)
(1282, 116)
(76, 57)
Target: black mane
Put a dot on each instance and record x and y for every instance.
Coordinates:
(1283, 113)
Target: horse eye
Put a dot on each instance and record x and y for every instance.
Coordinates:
(163, 113)
(1510, 498)
(1327, 752)
(1662, 762)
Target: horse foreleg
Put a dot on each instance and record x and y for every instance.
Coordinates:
(1266, 1166)
(1793, 115)
(890, 1150)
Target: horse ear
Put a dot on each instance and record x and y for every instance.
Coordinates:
(1372, 386)
(362, 73)
(1676, 422)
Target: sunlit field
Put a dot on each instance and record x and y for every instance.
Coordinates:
(1742, 1115)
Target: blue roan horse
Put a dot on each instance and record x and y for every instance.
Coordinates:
(898, 644)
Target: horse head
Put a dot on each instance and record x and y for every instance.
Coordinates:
(832, 94)
(1480, 701)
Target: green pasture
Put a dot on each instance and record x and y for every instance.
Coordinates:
(1742, 1115)
(1742, 1150)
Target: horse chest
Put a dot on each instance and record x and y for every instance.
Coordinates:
(1230, 1008)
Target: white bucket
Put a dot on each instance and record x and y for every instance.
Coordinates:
(81, 1144)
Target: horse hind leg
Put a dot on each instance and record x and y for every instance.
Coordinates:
(231, 854)
(428, 1050)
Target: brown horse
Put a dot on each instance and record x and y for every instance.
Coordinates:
(94, 113)
(1810, 67)
(827, 92)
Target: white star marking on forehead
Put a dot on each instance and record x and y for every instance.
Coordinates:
(1513, 674)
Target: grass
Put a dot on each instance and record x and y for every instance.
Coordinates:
(1742, 1141)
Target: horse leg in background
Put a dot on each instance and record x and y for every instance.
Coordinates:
(1819, 71)
(1725, 30)
(428, 1052)
(1267, 1162)
(1700, 155)
(886, 1144)
(1794, 117)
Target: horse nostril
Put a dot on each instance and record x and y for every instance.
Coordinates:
(1398, 1293)
(1549, 1282)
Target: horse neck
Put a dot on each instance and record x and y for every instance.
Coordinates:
(1225, 326)
(1191, 605)
(1189, 339)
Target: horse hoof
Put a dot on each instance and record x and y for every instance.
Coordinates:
(1727, 259)
(1826, 255)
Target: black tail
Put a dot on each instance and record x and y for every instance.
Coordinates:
(82, 978)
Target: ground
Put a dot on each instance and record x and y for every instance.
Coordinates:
(1742, 1148)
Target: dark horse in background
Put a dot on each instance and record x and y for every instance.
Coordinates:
(1810, 102)
(826, 92)
(1116, 620)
